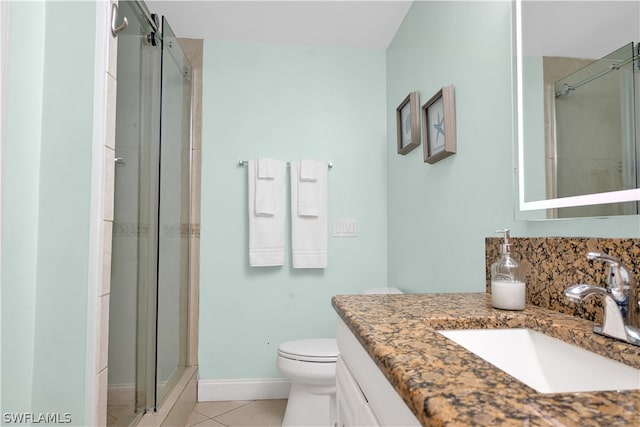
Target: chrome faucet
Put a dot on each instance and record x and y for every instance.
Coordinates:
(615, 297)
(618, 281)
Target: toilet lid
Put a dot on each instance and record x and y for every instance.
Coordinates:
(310, 350)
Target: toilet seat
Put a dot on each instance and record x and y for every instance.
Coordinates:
(318, 350)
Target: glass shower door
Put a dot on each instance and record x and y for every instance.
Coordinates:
(150, 253)
(173, 247)
(132, 303)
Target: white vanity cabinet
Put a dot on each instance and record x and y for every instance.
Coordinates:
(352, 405)
(364, 396)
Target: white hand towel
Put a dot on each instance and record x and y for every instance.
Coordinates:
(266, 168)
(309, 170)
(265, 196)
(309, 233)
(310, 194)
(267, 231)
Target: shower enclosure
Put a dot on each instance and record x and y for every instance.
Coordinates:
(592, 131)
(150, 250)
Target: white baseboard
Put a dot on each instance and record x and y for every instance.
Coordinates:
(243, 389)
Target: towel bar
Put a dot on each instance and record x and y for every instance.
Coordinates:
(246, 162)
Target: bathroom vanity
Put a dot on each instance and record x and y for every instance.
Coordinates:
(361, 386)
(397, 369)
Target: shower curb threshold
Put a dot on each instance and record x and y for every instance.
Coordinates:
(178, 404)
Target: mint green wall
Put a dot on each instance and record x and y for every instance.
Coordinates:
(46, 208)
(20, 203)
(286, 102)
(439, 214)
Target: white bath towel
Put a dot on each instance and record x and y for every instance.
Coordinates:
(266, 208)
(309, 215)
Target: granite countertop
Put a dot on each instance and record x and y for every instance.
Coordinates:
(444, 384)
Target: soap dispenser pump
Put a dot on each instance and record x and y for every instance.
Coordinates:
(507, 279)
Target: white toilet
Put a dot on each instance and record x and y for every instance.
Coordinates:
(310, 365)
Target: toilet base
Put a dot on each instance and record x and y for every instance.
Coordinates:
(306, 407)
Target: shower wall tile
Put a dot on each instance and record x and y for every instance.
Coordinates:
(184, 338)
(194, 302)
(108, 193)
(550, 164)
(107, 244)
(112, 91)
(193, 50)
(194, 260)
(101, 394)
(197, 103)
(196, 163)
(102, 335)
(109, 184)
(192, 358)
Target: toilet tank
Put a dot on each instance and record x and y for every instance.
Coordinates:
(388, 290)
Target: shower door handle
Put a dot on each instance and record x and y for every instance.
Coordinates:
(114, 17)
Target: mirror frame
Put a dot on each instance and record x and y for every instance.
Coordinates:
(631, 195)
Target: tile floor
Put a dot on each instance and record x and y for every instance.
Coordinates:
(121, 415)
(262, 413)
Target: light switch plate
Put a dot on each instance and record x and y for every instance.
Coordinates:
(344, 228)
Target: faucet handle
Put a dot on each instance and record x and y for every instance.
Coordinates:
(619, 277)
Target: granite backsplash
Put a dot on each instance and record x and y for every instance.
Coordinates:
(554, 263)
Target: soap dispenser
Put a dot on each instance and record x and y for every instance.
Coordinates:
(507, 279)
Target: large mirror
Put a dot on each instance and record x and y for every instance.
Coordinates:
(578, 100)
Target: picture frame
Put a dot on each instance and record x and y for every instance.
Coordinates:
(439, 126)
(408, 123)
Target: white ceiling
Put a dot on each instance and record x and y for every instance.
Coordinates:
(360, 23)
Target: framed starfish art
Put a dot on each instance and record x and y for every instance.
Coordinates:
(439, 126)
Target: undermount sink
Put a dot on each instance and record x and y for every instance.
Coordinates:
(546, 364)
